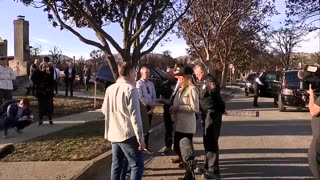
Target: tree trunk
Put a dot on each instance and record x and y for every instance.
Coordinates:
(224, 75)
(113, 65)
(209, 62)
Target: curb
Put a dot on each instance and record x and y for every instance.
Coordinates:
(95, 164)
(6, 149)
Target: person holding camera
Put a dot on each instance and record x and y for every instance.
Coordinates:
(44, 82)
(314, 150)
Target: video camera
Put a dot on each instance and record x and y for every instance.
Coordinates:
(309, 75)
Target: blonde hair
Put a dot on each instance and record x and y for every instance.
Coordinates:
(190, 81)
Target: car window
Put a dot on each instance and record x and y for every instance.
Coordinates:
(251, 77)
(272, 76)
(161, 73)
(154, 75)
(292, 76)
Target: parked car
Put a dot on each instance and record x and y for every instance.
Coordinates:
(291, 95)
(272, 84)
(248, 87)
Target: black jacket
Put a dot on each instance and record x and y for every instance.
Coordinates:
(66, 74)
(212, 99)
(44, 82)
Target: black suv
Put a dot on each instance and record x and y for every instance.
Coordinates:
(272, 84)
(291, 95)
(248, 87)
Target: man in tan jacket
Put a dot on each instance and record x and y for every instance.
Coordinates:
(123, 125)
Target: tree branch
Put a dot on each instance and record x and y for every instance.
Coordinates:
(167, 30)
(83, 39)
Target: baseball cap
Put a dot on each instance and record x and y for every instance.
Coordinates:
(183, 70)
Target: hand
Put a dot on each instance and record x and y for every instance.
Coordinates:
(310, 91)
(165, 101)
(25, 117)
(142, 146)
(174, 108)
(212, 85)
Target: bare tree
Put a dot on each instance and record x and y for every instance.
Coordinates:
(97, 58)
(284, 40)
(213, 29)
(35, 51)
(144, 23)
(56, 54)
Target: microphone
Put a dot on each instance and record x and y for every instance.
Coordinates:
(186, 149)
(187, 154)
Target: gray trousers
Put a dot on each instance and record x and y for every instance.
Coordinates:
(5, 95)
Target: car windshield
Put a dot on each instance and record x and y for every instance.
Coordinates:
(251, 77)
(161, 73)
(272, 76)
(292, 76)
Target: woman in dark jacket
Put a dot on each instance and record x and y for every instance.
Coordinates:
(44, 83)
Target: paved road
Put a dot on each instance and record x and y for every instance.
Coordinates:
(271, 146)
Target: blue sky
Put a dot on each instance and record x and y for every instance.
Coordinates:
(42, 32)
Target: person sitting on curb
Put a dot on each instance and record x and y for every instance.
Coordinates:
(18, 115)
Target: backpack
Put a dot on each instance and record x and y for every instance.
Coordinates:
(5, 105)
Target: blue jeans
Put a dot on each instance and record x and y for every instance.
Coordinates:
(127, 149)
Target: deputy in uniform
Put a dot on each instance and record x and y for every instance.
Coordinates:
(212, 107)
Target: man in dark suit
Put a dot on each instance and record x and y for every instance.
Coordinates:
(69, 77)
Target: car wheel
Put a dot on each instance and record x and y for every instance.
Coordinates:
(280, 105)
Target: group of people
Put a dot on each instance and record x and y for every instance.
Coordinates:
(56, 74)
(188, 95)
(17, 114)
(69, 77)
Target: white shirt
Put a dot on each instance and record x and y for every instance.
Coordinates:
(258, 79)
(56, 73)
(6, 77)
(147, 92)
(70, 72)
(122, 112)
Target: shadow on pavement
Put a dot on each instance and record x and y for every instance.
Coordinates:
(265, 168)
(265, 128)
